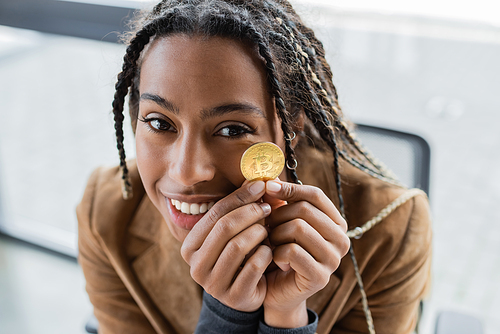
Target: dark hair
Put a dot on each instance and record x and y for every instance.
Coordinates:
(300, 79)
(299, 76)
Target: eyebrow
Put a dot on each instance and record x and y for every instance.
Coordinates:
(230, 108)
(160, 101)
(207, 113)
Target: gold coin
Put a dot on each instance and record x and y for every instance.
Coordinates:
(262, 161)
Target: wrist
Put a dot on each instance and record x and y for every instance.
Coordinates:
(286, 317)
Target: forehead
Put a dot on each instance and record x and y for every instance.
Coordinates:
(201, 49)
(193, 59)
(197, 73)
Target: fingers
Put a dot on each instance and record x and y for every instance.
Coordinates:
(229, 262)
(310, 275)
(309, 213)
(295, 193)
(246, 196)
(252, 273)
(303, 210)
(231, 225)
(242, 288)
(235, 234)
(311, 223)
(302, 233)
(273, 201)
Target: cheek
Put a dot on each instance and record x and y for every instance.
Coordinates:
(227, 162)
(148, 159)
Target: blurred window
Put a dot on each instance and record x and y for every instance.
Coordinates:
(55, 107)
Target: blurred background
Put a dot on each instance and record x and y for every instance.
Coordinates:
(425, 67)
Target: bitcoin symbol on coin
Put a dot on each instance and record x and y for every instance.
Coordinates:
(262, 164)
(262, 161)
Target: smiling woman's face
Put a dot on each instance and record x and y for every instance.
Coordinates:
(203, 102)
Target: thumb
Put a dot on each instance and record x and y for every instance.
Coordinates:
(273, 201)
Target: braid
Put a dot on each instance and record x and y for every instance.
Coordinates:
(236, 24)
(281, 110)
(236, 19)
(322, 123)
(124, 81)
(302, 78)
(317, 115)
(380, 171)
(127, 79)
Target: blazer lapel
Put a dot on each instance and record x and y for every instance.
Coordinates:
(113, 233)
(161, 271)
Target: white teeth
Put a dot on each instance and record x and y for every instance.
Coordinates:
(185, 207)
(191, 208)
(194, 209)
(203, 208)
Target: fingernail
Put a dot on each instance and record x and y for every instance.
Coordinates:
(257, 187)
(273, 187)
(266, 208)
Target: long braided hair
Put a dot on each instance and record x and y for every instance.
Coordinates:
(298, 74)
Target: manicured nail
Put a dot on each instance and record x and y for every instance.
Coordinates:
(257, 187)
(266, 208)
(273, 187)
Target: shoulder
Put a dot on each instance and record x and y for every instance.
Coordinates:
(401, 240)
(393, 257)
(366, 196)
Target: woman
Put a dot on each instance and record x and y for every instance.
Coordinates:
(196, 247)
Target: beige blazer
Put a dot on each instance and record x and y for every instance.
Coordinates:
(138, 282)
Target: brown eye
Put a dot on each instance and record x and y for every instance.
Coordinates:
(157, 124)
(234, 131)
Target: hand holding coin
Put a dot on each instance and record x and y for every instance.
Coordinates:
(262, 161)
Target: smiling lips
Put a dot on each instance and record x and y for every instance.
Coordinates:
(191, 208)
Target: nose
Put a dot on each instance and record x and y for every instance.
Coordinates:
(190, 162)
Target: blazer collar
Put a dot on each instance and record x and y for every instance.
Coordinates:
(147, 222)
(162, 272)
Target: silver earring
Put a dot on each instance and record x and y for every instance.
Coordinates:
(294, 164)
